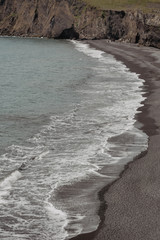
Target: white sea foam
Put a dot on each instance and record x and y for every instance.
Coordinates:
(98, 54)
(94, 172)
(7, 183)
(58, 219)
(43, 154)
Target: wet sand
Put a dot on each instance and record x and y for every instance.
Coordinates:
(130, 206)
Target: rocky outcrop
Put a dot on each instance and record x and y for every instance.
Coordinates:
(74, 19)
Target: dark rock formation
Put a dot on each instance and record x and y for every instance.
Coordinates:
(74, 19)
(69, 34)
(2, 2)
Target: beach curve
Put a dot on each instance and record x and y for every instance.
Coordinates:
(129, 206)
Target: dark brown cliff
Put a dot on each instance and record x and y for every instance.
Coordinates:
(75, 19)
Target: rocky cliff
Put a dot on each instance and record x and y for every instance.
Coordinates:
(75, 19)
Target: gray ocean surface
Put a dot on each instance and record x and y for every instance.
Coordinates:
(67, 121)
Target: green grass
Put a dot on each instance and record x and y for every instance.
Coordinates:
(144, 5)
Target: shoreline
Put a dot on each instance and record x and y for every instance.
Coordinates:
(144, 62)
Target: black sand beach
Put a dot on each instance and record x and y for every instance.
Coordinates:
(130, 208)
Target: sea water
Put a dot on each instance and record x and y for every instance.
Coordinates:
(67, 120)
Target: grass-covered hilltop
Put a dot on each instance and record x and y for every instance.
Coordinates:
(132, 21)
(144, 5)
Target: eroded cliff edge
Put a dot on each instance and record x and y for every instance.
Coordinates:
(75, 19)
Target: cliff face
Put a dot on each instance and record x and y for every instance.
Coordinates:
(74, 19)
